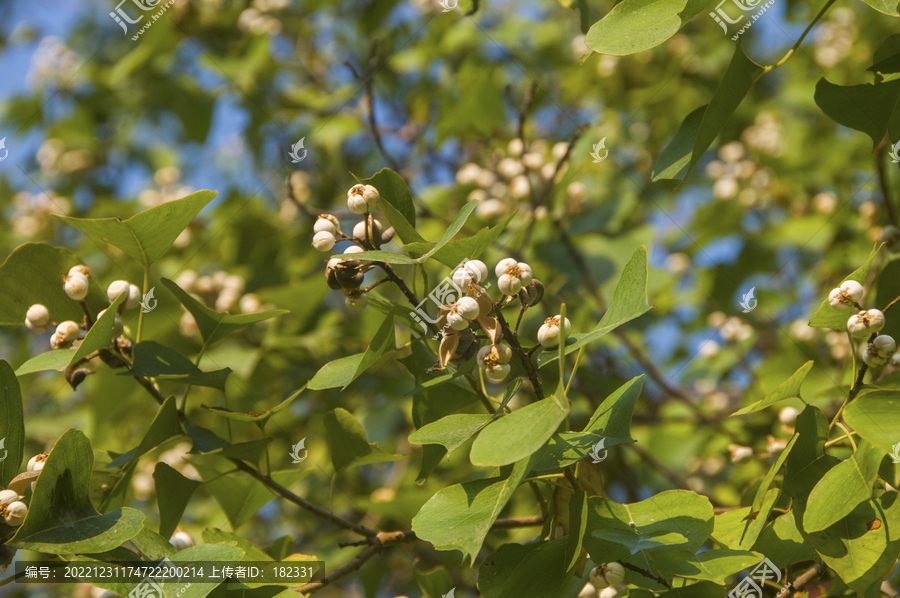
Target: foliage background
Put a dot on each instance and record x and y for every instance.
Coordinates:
(213, 95)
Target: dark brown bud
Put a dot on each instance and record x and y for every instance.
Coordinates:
(77, 376)
(532, 294)
(331, 278)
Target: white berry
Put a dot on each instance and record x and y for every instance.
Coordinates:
(181, 540)
(471, 271)
(324, 225)
(885, 345)
(134, 297)
(7, 497)
(357, 302)
(354, 249)
(359, 231)
(76, 286)
(83, 270)
(871, 357)
(456, 321)
(509, 285)
(849, 293)
(588, 591)
(504, 265)
(468, 308)
(68, 331)
(549, 333)
(357, 204)
(117, 288)
(497, 372)
(37, 460)
(37, 318)
(866, 322)
(788, 416)
(323, 241)
(15, 514)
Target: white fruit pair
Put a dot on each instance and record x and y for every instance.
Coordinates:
(470, 271)
(121, 286)
(362, 198)
(876, 353)
(607, 574)
(462, 313)
(864, 323)
(550, 333)
(512, 276)
(12, 509)
(66, 333)
(848, 294)
(76, 283)
(37, 318)
(494, 360)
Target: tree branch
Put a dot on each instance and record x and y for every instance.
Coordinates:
(513, 341)
(291, 497)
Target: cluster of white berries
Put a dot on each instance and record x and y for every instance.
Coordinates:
(12, 509)
(513, 177)
(494, 360)
(603, 578)
(346, 274)
(865, 323)
(512, 276)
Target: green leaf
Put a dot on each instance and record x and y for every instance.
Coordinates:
(782, 543)
(454, 252)
(460, 516)
(101, 333)
(348, 443)
(629, 301)
(636, 25)
(12, 425)
(165, 425)
(681, 511)
(740, 76)
(859, 555)
(214, 325)
(51, 360)
(701, 589)
(636, 543)
(788, 389)
(842, 488)
(147, 235)
(611, 422)
(458, 222)
(808, 462)
(578, 513)
(61, 518)
(450, 431)
(380, 255)
(868, 108)
(250, 451)
(476, 109)
(829, 317)
(518, 435)
(876, 416)
(252, 552)
(675, 159)
(517, 570)
(887, 57)
(395, 193)
(712, 565)
(888, 7)
(342, 372)
(770, 476)
(281, 548)
(258, 418)
(240, 496)
(33, 273)
(154, 360)
(173, 491)
(740, 528)
(434, 583)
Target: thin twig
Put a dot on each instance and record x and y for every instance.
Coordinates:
(647, 574)
(358, 561)
(525, 358)
(291, 497)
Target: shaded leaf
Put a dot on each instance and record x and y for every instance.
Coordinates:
(214, 325)
(147, 235)
(155, 360)
(12, 425)
(516, 570)
(788, 389)
(348, 443)
(173, 491)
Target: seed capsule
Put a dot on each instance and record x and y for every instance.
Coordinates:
(76, 286)
(116, 288)
(15, 514)
(323, 241)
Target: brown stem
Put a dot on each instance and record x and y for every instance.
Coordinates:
(889, 305)
(525, 358)
(540, 498)
(291, 497)
(655, 578)
(807, 577)
(358, 561)
(883, 179)
(395, 278)
(515, 522)
(88, 322)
